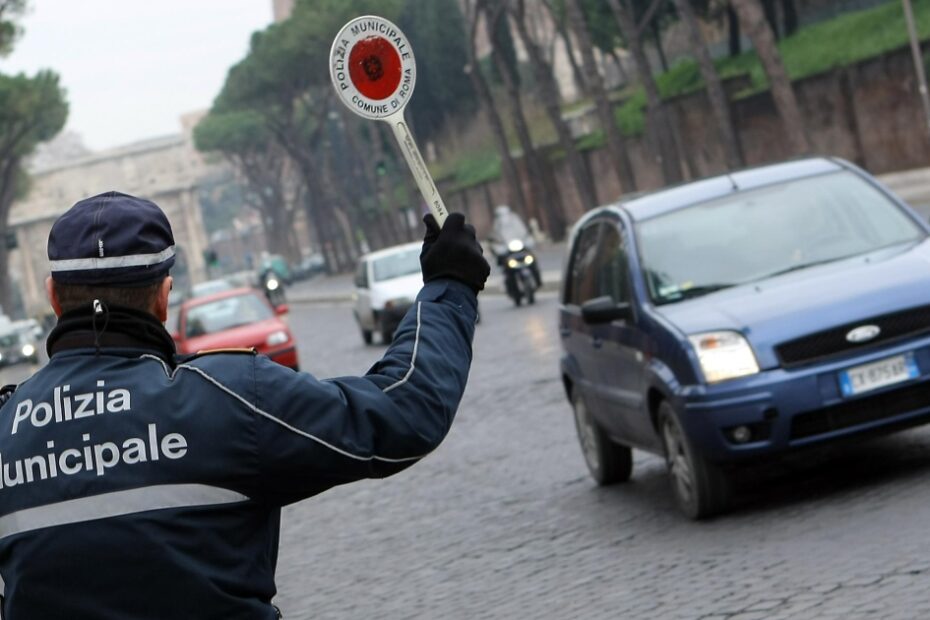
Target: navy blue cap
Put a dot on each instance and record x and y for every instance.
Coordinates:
(112, 239)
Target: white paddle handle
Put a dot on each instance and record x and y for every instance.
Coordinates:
(417, 166)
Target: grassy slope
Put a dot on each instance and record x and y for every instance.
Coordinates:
(814, 49)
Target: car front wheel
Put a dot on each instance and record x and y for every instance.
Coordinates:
(608, 462)
(387, 331)
(701, 488)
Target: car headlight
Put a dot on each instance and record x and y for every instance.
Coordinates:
(724, 355)
(515, 245)
(28, 350)
(528, 259)
(276, 338)
(513, 263)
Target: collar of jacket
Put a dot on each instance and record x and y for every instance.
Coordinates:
(115, 327)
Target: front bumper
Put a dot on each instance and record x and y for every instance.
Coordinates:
(286, 356)
(787, 409)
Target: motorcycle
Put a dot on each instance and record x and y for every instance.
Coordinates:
(520, 272)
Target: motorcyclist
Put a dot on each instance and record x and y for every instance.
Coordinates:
(272, 285)
(507, 227)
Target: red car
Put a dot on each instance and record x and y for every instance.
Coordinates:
(239, 318)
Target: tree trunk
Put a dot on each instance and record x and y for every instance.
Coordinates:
(413, 192)
(615, 146)
(581, 83)
(657, 40)
(734, 38)
(771, 16)
(544, 193)
(621, 70)
(508, 165)
(715, 93)
(790, 10)
(8, 178)
(658, 122)
(752, 20)
(549, 95)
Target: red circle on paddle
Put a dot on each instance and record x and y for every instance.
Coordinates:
(374, 67)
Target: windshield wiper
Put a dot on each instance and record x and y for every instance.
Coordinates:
(780, 272)
(695, 291)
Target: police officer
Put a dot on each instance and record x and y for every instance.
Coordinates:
(136, 484)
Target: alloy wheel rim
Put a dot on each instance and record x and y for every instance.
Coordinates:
(678, 466)
(586, 435)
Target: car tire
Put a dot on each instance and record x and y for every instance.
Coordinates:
(387, 334)
(366, 335)
(701, 488)
(607, 461)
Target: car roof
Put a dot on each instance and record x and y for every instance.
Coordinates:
(662, 201)
(205, 299)
(394, 249)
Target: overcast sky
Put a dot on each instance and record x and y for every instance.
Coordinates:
(132, 67)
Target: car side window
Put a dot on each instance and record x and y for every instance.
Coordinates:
(361, 275)
(613, 271)
(583, 275)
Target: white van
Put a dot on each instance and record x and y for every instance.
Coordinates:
(386, 284)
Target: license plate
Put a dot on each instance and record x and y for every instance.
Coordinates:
(878, 374)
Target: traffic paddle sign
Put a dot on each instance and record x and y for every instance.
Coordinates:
(373, 70)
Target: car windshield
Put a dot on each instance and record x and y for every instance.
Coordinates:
(226, 313)
(395, 265)
(759, 234)
(9, 340)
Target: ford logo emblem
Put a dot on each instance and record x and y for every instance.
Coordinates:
(863, 333)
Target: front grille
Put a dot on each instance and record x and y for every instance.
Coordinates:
(861, 411)
(906, 323)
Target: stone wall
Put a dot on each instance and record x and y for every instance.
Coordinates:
(869, 113)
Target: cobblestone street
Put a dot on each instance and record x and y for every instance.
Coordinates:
(504, 522)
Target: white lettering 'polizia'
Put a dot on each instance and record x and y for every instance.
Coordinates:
(66, 406)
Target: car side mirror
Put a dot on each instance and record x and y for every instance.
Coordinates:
(281, 309)
(605, 309)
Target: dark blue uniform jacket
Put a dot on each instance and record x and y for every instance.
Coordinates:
(135, 485)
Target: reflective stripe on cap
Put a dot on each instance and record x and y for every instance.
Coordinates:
(112, 262)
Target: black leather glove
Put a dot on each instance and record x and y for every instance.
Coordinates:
(453, 252)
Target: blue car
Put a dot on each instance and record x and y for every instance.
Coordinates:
(744, 316)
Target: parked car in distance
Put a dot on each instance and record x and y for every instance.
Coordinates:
(386, 283)
(308, 266)
(238, 318)
(743, 316)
